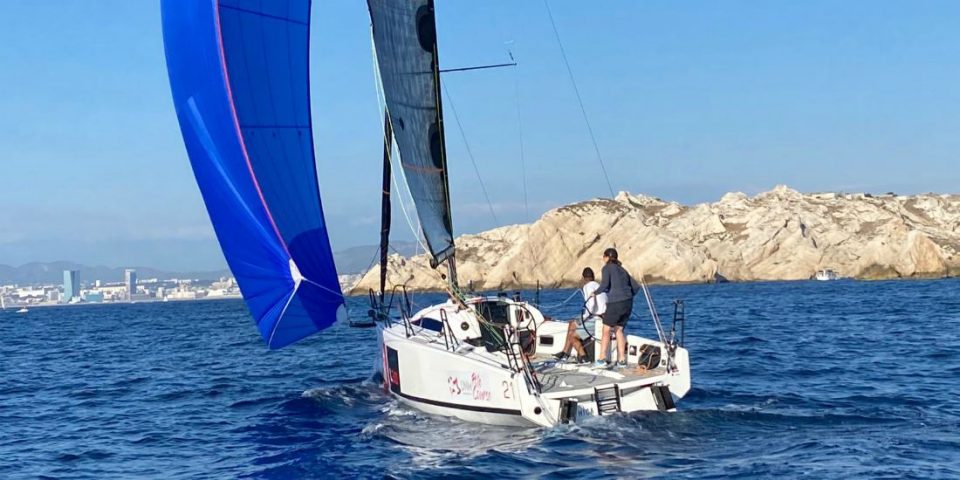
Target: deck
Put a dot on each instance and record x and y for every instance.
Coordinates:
(560, 377)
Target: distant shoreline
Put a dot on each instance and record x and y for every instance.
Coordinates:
(151, 300)
(528, 288)
(14, 308)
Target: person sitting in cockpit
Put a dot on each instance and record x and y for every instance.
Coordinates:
(593, 308)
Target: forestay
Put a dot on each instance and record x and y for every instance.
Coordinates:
(239, 75)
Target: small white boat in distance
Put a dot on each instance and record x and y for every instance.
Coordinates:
(826, 274)
(23, 310)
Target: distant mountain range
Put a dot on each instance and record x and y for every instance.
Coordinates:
(352, 260)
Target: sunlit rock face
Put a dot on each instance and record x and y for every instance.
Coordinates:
(781, 234)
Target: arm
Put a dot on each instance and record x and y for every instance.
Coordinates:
(604, 281)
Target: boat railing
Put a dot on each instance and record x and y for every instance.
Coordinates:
(679, 318)
(517, 350)
(671, 349)
(518, 362)
(509, 336)
(381, 306)
(449, 339)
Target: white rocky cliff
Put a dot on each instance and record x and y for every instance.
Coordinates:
(777, 235)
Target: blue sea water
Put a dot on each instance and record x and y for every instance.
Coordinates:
(813, 379)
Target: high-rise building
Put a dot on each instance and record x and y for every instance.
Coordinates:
(71, 285)
(130, 280)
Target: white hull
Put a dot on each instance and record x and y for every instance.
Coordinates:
(826, 275)
(445, 372)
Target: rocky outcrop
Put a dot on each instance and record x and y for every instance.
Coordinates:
(776, 235)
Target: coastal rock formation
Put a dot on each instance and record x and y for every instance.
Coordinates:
(776, 235)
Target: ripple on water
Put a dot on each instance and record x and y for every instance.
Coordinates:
(813, 379)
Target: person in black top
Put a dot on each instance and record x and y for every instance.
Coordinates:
(620, 288)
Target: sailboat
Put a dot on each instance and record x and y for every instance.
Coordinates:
(239, 78)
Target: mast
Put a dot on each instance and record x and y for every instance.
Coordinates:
(385, 203)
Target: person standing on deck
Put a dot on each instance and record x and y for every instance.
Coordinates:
(620, 288)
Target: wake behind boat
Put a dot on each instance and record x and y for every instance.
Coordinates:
(239, 78)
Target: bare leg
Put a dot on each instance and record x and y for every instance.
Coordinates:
(621, 345)
(578, 346)
(604, 344)
(571, 332)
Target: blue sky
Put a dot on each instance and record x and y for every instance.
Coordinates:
(688, 100)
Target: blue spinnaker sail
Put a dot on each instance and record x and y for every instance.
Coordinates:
(239, 75)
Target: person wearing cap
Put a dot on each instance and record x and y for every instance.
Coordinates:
(620, 289)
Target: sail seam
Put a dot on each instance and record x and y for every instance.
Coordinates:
(292, 127)
(261, 14)
(418, 168)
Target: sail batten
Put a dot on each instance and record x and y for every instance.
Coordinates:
(405, 42)
(240, 81)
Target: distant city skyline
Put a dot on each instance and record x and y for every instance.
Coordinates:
(73, 291)
(688, 101)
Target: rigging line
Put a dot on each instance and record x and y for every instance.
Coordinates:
(557, 305)
(523, 162)
(653, 310)
(483, 187)
(576, 90)
(381, 102)
(373, 261)
(480, 67)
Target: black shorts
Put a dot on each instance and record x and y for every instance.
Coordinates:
(618, 313)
